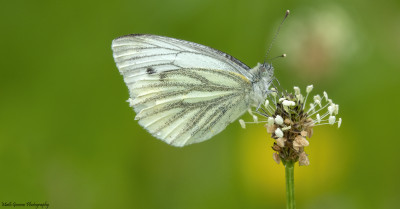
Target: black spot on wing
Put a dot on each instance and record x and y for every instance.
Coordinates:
(150, 70)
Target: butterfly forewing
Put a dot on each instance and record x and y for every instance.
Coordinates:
(138, 53)
(182, 92)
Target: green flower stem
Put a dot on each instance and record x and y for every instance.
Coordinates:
(289, 173)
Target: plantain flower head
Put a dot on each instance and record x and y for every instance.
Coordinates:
(290, 119)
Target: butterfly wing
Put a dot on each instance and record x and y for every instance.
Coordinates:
(140, 54)
(183, 92)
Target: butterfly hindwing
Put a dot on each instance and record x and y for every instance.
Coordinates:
(190, 105)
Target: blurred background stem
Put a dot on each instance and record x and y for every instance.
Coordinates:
(289, 173)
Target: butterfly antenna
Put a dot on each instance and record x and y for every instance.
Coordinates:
(280, 56)
(276, 34)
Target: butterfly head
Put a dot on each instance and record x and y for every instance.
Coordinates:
(262, 72)
(268, 70)
(263, 76)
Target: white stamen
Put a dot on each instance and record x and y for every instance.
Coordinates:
(331, 109)
(296, 90)
(260, 121)
(309, 88)
(332, 119)
(250, 112)
(266, 103)
(318, 118)
(299, 97)
(286, 128)
(336, 109)
(317, 97)
(255, 118)
(242, 123)
(278, 120)
(312, 108)
(271, 121)
(288, 103)
(318, 102)
(339, 122)
(326, 95)
(316, 111)
(281, 99)
(279, 133)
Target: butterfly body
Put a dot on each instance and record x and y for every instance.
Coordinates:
(184, 92)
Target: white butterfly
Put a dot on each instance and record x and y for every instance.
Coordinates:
(184, 92)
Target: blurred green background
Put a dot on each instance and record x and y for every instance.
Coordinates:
(68, 137)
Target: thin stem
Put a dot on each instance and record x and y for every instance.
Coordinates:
(289, 173)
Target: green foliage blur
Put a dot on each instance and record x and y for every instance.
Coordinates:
(68, 136)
